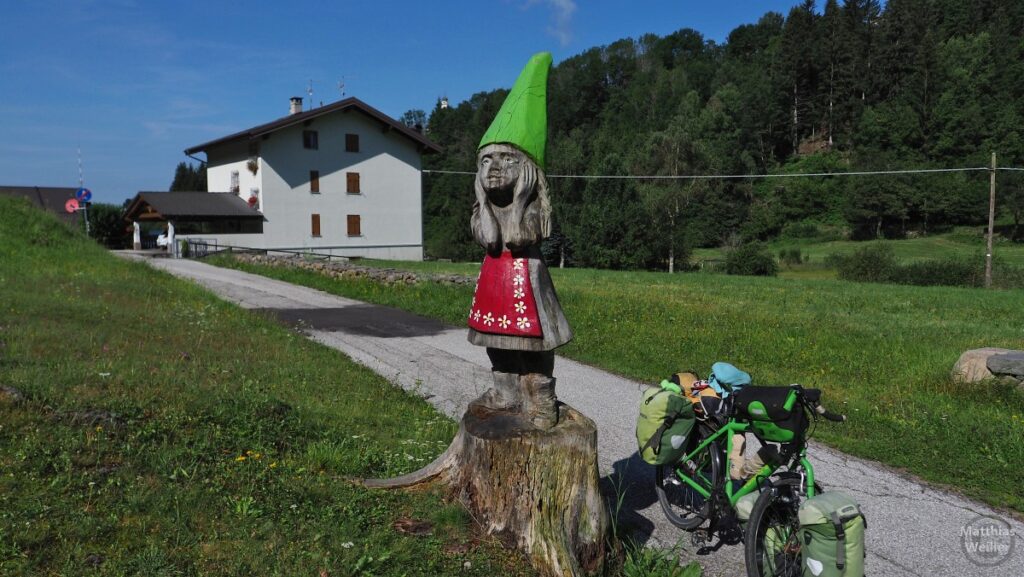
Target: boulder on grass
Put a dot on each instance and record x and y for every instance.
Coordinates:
(990, 363)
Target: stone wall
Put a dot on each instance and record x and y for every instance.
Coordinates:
(343, 268)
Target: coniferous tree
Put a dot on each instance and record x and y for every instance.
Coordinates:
(189, 178)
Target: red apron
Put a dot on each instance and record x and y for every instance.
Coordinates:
(504, 303)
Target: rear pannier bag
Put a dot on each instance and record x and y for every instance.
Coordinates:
(832, 536)
(664, 424)
(745, 505)
(773, 412)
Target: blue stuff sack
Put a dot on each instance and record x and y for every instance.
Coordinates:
(726, 379)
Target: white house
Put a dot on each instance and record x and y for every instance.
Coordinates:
(343, 179)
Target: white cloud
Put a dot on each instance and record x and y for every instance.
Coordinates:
(562, 11)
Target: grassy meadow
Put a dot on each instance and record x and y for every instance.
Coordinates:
(148, 428)
(881, 353)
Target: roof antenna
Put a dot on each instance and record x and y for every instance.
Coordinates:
(81, 180)
(309, 91)
(341, 86)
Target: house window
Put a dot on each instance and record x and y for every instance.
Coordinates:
(352, 182)
(314, 181)
(234, 182)
(310, 140)
(354, 228)
(351, 143)
(315, 222)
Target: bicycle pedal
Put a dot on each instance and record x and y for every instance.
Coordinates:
(673, 480)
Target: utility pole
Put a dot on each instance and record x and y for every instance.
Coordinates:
(991, 221)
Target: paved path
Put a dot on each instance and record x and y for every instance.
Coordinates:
(912, 529)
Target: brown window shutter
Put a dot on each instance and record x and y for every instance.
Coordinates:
(352, 179)
(351, 143)
(354, 228)
(316, 225)
(314, 181)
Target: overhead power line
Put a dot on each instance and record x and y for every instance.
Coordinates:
(750, 176)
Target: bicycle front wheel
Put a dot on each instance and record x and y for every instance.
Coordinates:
(772, 539)
(684, 506)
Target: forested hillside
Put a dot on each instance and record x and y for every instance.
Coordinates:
(846, 86)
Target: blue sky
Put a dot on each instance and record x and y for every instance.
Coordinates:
(133, 83)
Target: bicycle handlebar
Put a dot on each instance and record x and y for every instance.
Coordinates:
(813, 398)
(834, 417)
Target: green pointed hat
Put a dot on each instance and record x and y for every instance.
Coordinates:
(523, 118)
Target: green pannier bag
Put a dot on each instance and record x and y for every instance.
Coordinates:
(664, 425)
(832, 536)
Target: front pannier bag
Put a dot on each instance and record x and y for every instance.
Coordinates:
(832, 536)
(664, 424)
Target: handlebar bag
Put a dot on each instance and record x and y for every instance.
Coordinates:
(774, 413)
(664, 424)
(832, 536)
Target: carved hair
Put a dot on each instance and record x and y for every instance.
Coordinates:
(545, 203)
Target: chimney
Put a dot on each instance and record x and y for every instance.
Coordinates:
(296, 105)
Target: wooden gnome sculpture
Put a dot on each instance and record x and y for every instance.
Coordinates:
(515, 312)
(526, 480)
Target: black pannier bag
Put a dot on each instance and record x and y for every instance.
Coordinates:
(775, 413)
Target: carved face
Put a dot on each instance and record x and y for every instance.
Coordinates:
(498, 168)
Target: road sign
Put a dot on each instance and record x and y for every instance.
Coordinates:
(83, 194)
(71, 205)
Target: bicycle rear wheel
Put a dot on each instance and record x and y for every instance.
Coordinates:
(772, 539)
(683, 506)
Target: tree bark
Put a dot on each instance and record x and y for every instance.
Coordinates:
(536, 490)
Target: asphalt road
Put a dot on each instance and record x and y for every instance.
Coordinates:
(913, 530)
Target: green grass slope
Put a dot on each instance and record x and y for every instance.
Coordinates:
(148, 428)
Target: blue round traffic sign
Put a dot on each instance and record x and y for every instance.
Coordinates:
(83, 194)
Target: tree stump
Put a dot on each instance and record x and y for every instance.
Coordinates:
(536, 490)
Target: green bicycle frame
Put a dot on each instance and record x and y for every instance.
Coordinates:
(729, 429)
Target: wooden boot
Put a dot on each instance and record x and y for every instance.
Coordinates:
(505, 395)
(540, 405)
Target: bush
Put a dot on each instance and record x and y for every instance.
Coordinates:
(1005, 276)
(791, 256)
(877, 263)
(808, 230)
(940, 273)
(108, 227)
(800, 230)
(750, 259)
(873, 263)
